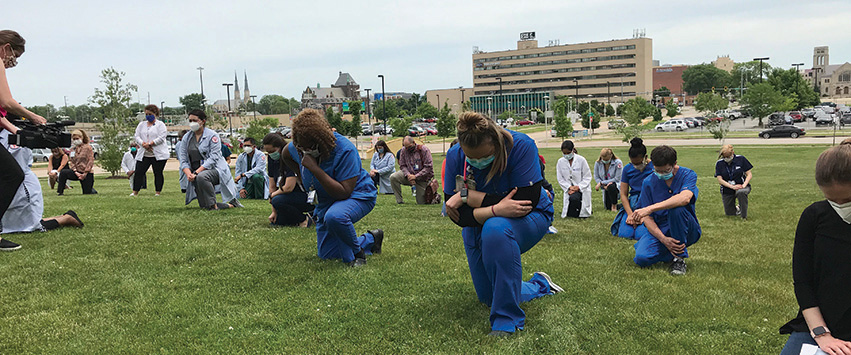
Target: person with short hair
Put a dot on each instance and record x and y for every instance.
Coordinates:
(80, 165)
(289, 200)
(821, 267)
(151, 136)
(607, 172)
(574, 176)
(493, 189)
(634, 174)
(250, 172)
(204, 166)
(667, 214)
(57, 161)
(415, 169)
(734, 175)
(273, 161)
(382, 166)
(337, 184)
(128, 165)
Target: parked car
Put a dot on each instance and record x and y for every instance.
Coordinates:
(41, 154)
(672, 125)
(735, 114)
(796, 116)
(779, 118)
(615, 124)
(95, 149)
(702, 120)
(691, 122)
(415, 131)
(366, 129)
(525, 123)
(845, 120)
(808, 113)
(782, 131)
(822, 118)
(429, 130)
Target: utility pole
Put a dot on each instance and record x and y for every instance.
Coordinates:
(383, 102)
(798, 66)
(203, 99)
(368, 112)
(500, 93)
(230, 122)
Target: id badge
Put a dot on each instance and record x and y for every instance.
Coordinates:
(459, 183)
(311, 198)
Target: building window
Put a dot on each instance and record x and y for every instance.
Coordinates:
(846, 76)
(838, 91)
(846, 90)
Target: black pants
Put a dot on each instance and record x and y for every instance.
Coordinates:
(291, 208)
(11, 177)
(142, 169)
(574, 204)
(610, 196)
(376, 179)
(68, 174)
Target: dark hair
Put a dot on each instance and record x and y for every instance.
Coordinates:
(637, 148)
(834, 166)
(474, 129)
(182, 133)
(199, 113)
(15, 40)
(383, 144)
(249, 139)
(154, 109)
(312, 125)
(663, 155)
(568, 144)
(454, 142)
(274, 139)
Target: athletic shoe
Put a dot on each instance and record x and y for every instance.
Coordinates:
(360, 259)
(236, 204)
(156, 195)
(378, 235)
(6, 245)
(552, 230)
(738, 211)
(553, 287)
(500, 334)
(74, 215)
(678, 266)
(132, 195)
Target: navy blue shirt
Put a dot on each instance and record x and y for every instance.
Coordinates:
(635, 178)
(735, 171)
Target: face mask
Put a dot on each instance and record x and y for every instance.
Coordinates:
(728, 160)
(194, 126)
(380, 150)
(248, 150)
(77, 142)
(9, 61)
(640, 167)
(667, 176)
(150, 118)
(568, 156)
(313, 152)
(843, 210)
(133, 150)
(481, 163)
(606, 161)
(275, 155)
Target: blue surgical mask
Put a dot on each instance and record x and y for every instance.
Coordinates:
(150, 118)
(275, 155)
(666, 176)
(133, 150)
(568, 156)
(380, 150)
(606, 161)
(481, 163)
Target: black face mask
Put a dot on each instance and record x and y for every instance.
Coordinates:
(412, 148)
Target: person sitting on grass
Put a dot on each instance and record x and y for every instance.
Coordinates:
(493, 189)
(337, 184)
(204, 166)
(80, 165)
(633, 177)
(24, 214)
(289, 200)
(821, 267)
(666, 211)
(250, 172)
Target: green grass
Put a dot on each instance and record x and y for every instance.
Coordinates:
(150, 275)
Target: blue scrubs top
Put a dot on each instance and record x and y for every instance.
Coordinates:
(635, 178)
(344, 163)
(523, 170)
(654, 190)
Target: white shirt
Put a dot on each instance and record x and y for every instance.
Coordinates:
(128, 163)
(155, 133)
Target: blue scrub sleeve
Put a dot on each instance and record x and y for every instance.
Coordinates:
(690, 183)
(523, 162)
(347, 165)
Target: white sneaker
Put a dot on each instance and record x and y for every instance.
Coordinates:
(132, 194)
(552, 230)
(156, 195)
(553, 287)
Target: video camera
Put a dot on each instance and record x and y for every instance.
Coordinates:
(50, 135)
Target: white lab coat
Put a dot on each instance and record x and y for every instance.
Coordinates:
(257, 165)
(24, 214)
(576, 174)
(156, 134)
(210, 147)
(128, 164)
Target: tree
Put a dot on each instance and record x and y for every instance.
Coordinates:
(657, 114)
(426, 110)
(791, 84)
(662, 91)
(610, 111)
(335, 120)
(539, 115)
(392, 109)
(400, 125)
(353, 127)
(587, 120)
(748, 72)
(445, 125)
(760, 100)
(116, 125)
(258, 128)
(703, 77)
(273, 105)
(719, 128)
(506, 115)
(672, 109)
(634, 113)
(561, 124)
(710, 102)
(192, 102)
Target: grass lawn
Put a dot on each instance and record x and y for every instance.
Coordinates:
(150, 275)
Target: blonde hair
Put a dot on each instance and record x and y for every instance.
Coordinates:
(606, 151)
(82, 134)
(726, 149)
(474, 129)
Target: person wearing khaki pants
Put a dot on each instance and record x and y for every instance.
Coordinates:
(398, 179)
(415, 169)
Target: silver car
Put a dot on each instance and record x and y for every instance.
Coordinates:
(41, 155)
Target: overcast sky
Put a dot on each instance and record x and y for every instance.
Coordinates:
(286, 46)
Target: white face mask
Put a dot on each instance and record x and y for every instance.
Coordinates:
(729, 159)
(77, 142)
(194, 126)
(568, 156)
(843, 210)
(248, 150)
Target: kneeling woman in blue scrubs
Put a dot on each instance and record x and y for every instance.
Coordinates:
(336, 183)
(634, 174)
(493, 187)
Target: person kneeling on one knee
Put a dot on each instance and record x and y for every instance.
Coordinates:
(250, 172)
(734, 175)
(415, 169)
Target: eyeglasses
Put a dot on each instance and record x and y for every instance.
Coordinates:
(671, 170)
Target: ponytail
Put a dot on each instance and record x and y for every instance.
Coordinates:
(474, 129)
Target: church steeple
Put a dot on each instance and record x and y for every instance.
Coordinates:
(236, 88)
(247, 95)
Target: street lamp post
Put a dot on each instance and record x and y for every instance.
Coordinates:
(499, 93)
(798, 66)
(490, 107)
(608, 94)
(546, 122)
(230, 122)
(368, 111)
(254, 104)
(462, 97)
(162, 106)
(383, 102)
(203, 99)
(590, 118)
(760, 66)
(438, 101)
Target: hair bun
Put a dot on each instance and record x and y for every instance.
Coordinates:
(472, 121)
(636, 142)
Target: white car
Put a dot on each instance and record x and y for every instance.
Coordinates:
(40, 154)
(672, 125)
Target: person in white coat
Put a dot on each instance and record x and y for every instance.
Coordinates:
(128, 165)
(574, 176)
(205, 168)
(151, 136)
(250, 175)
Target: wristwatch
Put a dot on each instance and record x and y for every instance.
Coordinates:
(819, 331)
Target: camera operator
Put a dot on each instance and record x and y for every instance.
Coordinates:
(11, 175)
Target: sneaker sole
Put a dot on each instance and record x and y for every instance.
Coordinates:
(555, 288)
(10, 249)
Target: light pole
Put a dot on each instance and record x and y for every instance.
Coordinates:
(546, 109)
(798, 66)
(608, 94)
(368, 111)
(162, 106)
(254, 105)
(383, 102)
(230, 122)
(760, 66)
(203, 99)
(499, 93)
(438, 101)
(490, 107)
(462, 97)
(590, 118)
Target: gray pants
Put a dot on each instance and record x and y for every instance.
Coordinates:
(730, 202)
(398, 179)
(205, 189)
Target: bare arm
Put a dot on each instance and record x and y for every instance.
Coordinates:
(625, 198)
(748, 177)
(724, 183)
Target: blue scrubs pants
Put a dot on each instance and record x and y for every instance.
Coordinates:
(680, 225)
(493, 253)
(335, 230)
(619, 227)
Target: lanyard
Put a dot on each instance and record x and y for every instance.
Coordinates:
(730, 171)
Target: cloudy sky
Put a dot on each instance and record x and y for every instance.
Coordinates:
(286, 46)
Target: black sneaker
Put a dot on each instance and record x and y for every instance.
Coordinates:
(6, 245)
(360, 260)
(678, 267)
(378, 235)
(500, 334)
